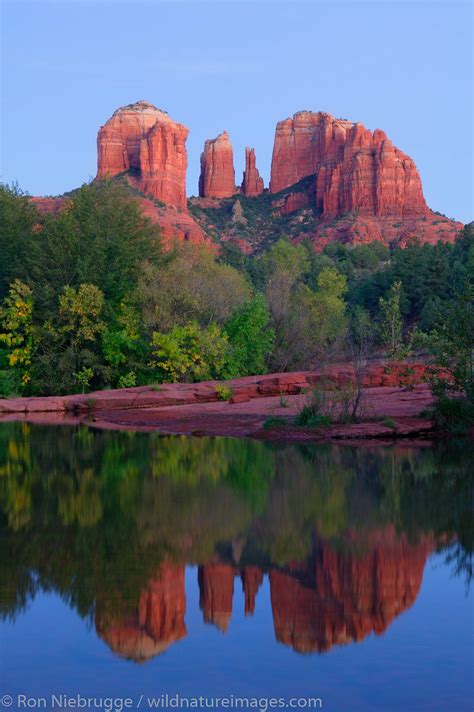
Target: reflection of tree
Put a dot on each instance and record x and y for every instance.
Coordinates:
(94, 515)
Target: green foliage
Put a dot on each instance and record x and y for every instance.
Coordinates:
(16, 337)
(451, 346)
(128, 380)
(251, 337)
(274, 421)
(391, 323)
(191, 353)
(316, 411)
(224, 393)
(18, 218)
(84, 377)
(190, 285)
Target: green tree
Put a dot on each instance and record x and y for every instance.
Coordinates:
(71, 340)
(391, 322)
(451, 345)
(251, 337)
(191, 353)
(16, 338)
(18, 218)
(190, 285)
(100, 237)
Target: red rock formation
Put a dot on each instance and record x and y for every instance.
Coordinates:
(252, 183)
(216, 589)
(147, 143)
(356, 170)
(217, 179)
(252, 577)
(337, 598)
(157, 622)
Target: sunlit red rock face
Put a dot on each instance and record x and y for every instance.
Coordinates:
(355, 169)
(252, 183)
(361, 180)
(216, 591)
(337, 598)
(217, 179)
(156, 624)
(147, 143)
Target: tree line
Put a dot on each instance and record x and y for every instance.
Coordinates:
(90, 299)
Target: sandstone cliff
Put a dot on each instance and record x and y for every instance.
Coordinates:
(355, 169)
(217, 179)
(252, 183)
(147, 144)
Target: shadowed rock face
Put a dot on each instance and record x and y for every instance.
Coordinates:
(252, 183)
(157, 622)
(217, 179)
(216, 590)
(145, 141)
(334, 599)
(355, 169)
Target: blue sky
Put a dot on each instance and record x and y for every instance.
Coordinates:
(405, 67)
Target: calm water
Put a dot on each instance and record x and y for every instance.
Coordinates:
(133, 564)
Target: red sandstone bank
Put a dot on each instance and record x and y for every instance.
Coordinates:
(393, 398)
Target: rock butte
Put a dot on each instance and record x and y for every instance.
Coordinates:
(145, 142)
(217, 179)
(358, 186)
(252, 183)
(355, 169)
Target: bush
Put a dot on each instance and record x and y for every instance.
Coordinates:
(453, 415)
(316, 412)
(224, 393)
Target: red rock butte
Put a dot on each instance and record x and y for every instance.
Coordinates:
(217, 179)
(252, 183)
(146, 143)
(355, 169)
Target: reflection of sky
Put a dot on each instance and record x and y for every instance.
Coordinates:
(424, 660)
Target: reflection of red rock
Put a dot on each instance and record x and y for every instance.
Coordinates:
(157, 622)
(252, 577)
(216, 589)
(217, 179)
(144, 140)
(252, 183)
(337, 598)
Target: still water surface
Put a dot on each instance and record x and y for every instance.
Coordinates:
(137, 564)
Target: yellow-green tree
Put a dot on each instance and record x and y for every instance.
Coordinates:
(16, 334)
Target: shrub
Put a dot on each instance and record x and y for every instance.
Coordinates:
(224, 393)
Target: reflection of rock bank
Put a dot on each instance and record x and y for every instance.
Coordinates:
(157, 622)
(336, 598)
